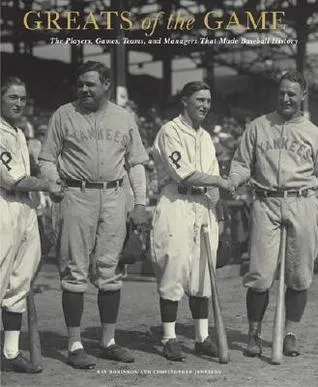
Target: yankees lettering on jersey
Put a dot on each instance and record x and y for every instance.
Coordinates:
(92, 134)
(284, 143)
(278, 155)
(93, 146)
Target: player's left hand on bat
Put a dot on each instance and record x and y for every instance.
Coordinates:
(57, 191)
(139, 215)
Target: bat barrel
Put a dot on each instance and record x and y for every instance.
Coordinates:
(33, 331)
(224, 355)
(279, 319)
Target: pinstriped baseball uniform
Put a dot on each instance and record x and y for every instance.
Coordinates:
(93, 147)
(20, 250)
(177, 249)
(280, 155)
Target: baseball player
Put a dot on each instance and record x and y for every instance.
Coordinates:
(88, 144)
(185, 159)
(279, 153)
(20, 251)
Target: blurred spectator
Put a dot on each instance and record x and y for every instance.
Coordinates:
(27, 127)
(34, 145)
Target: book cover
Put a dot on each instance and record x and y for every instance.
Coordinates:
(240, 48)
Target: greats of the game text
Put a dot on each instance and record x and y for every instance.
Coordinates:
(107, 20)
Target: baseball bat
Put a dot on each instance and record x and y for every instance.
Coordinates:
(33, 331)
(279, 319)
(224, 355)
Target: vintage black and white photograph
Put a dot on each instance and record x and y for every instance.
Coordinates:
(159, 193)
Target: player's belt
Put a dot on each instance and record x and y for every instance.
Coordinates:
(94, 185)
(184, 190)
(281, 194)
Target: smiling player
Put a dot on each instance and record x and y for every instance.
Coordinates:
(279, 153)
(186, 163)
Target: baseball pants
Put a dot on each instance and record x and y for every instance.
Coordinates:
(20, 250)
(90, 223)
(300, 216)
(178, 251)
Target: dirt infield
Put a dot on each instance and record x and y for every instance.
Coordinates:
(139, 330)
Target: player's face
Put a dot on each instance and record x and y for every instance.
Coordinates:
(198, 105)
(91, 92)
(290, 98)
(13, 103)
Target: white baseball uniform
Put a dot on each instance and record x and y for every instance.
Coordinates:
(177, 246)
(20, 250)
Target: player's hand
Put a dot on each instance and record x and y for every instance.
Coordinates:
(56, 191)
(228, 185)
(139, 215)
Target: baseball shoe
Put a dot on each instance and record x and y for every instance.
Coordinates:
(172, 351)
(23, 365)
(289, 348)
(207, 348)
(80, 359)
(115, 352)
(254, 345)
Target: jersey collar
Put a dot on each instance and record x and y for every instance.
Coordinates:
(8, 127)
(185, 127)
(295, 120)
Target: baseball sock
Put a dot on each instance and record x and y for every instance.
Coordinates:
(12, 326)
(256, 303)
(73, 305)
(201, 329)
(168, 311)
(199, 307)
(108, 305)
(295, 302)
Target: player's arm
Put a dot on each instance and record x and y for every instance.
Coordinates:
(50, 151)
(137, 178)
(135, 156)
(51, 148)
(316, 162)
(31, 183)
(25, 183)
(7, 181)
(241, 165)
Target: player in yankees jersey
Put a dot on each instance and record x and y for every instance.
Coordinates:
(19, 235)
(279, 154)
(89, 144)
(187, 171)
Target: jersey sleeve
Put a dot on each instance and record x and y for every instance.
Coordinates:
(11, 171)
(172, 153)
(52, 144)
(243, 159)
(51, 148)
(7, 181)
(316, 162)
(136, 152)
